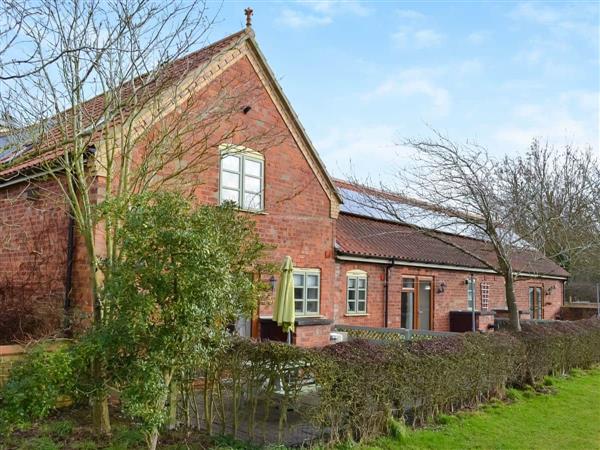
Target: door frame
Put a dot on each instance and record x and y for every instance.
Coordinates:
(417, 279)
(541, 300)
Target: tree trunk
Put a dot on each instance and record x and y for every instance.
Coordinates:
(173, 400)
(514, 321)
(100, 413)
(153, 439)
(161, 403)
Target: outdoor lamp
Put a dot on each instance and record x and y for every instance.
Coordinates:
(272, 280)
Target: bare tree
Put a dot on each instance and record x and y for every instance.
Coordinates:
(455, 189)
(558, 195)
(557, 192)
(111, 106)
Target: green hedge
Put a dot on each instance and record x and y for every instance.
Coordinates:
(347, 391)
(362, 384)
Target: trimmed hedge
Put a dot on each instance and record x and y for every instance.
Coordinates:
(363, 384)
(356, 390)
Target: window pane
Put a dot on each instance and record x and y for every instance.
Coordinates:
(361, 294)
(298, 307)
(230, 195)
(351, 283)
(298, 293)
(231, 162)
(408, 283)
(312, 280)
(470, 294)
(361, 283)
(298, 279)
(312, 306)
(362, 306)
(531, 301)
(351, 306)
(351, 294)
(252, 167)
(406, 310)
(312, 293)
(252, 185)
(230, 180)
(252, 201)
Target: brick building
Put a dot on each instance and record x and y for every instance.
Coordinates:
(345, 273)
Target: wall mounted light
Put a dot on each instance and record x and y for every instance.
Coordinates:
(32, 193)
(273, 281)
(441, 287)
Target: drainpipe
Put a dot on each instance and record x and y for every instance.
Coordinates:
(69, 274)
(386, 293)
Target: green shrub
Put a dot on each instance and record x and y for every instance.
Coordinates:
(366, 388)
(555, 348)
(37, 383)
(84, 445)
(60, 428)
(397, 429)
(40, 443)
(128, 437)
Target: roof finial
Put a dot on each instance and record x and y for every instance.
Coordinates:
(248, 11)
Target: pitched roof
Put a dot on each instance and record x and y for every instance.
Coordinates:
(361, 234)
(93, 110)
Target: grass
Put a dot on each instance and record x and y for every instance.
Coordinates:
(569, 418)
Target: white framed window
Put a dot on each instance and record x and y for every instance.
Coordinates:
(242, 177)
(356, 292)
(485, 296)
(307, 291)
(470, 293)
(407, 303)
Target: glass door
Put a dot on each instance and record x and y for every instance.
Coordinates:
(536, 308)
(424, 305)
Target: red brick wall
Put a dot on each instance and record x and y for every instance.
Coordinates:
(33, 241)
(296, 219)
(453, 298)
(312, 336)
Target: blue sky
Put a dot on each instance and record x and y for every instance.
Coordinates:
(364, 76)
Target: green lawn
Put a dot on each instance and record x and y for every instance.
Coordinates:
(566, 419)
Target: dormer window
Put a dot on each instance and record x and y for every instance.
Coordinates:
(242, 177)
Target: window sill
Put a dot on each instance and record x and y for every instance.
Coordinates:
(356, 314)
(262, 212)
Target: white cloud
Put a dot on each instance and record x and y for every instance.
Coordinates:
(409, 14)
(372, 148)
(470, 67)
(296, 19)
(332, 7)
(419, 38)
(531, 56)
(571, 117)
(414, 83)
(535, 13)
(319, 13)
(562, 20)
(478, 37)
(587, 101)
